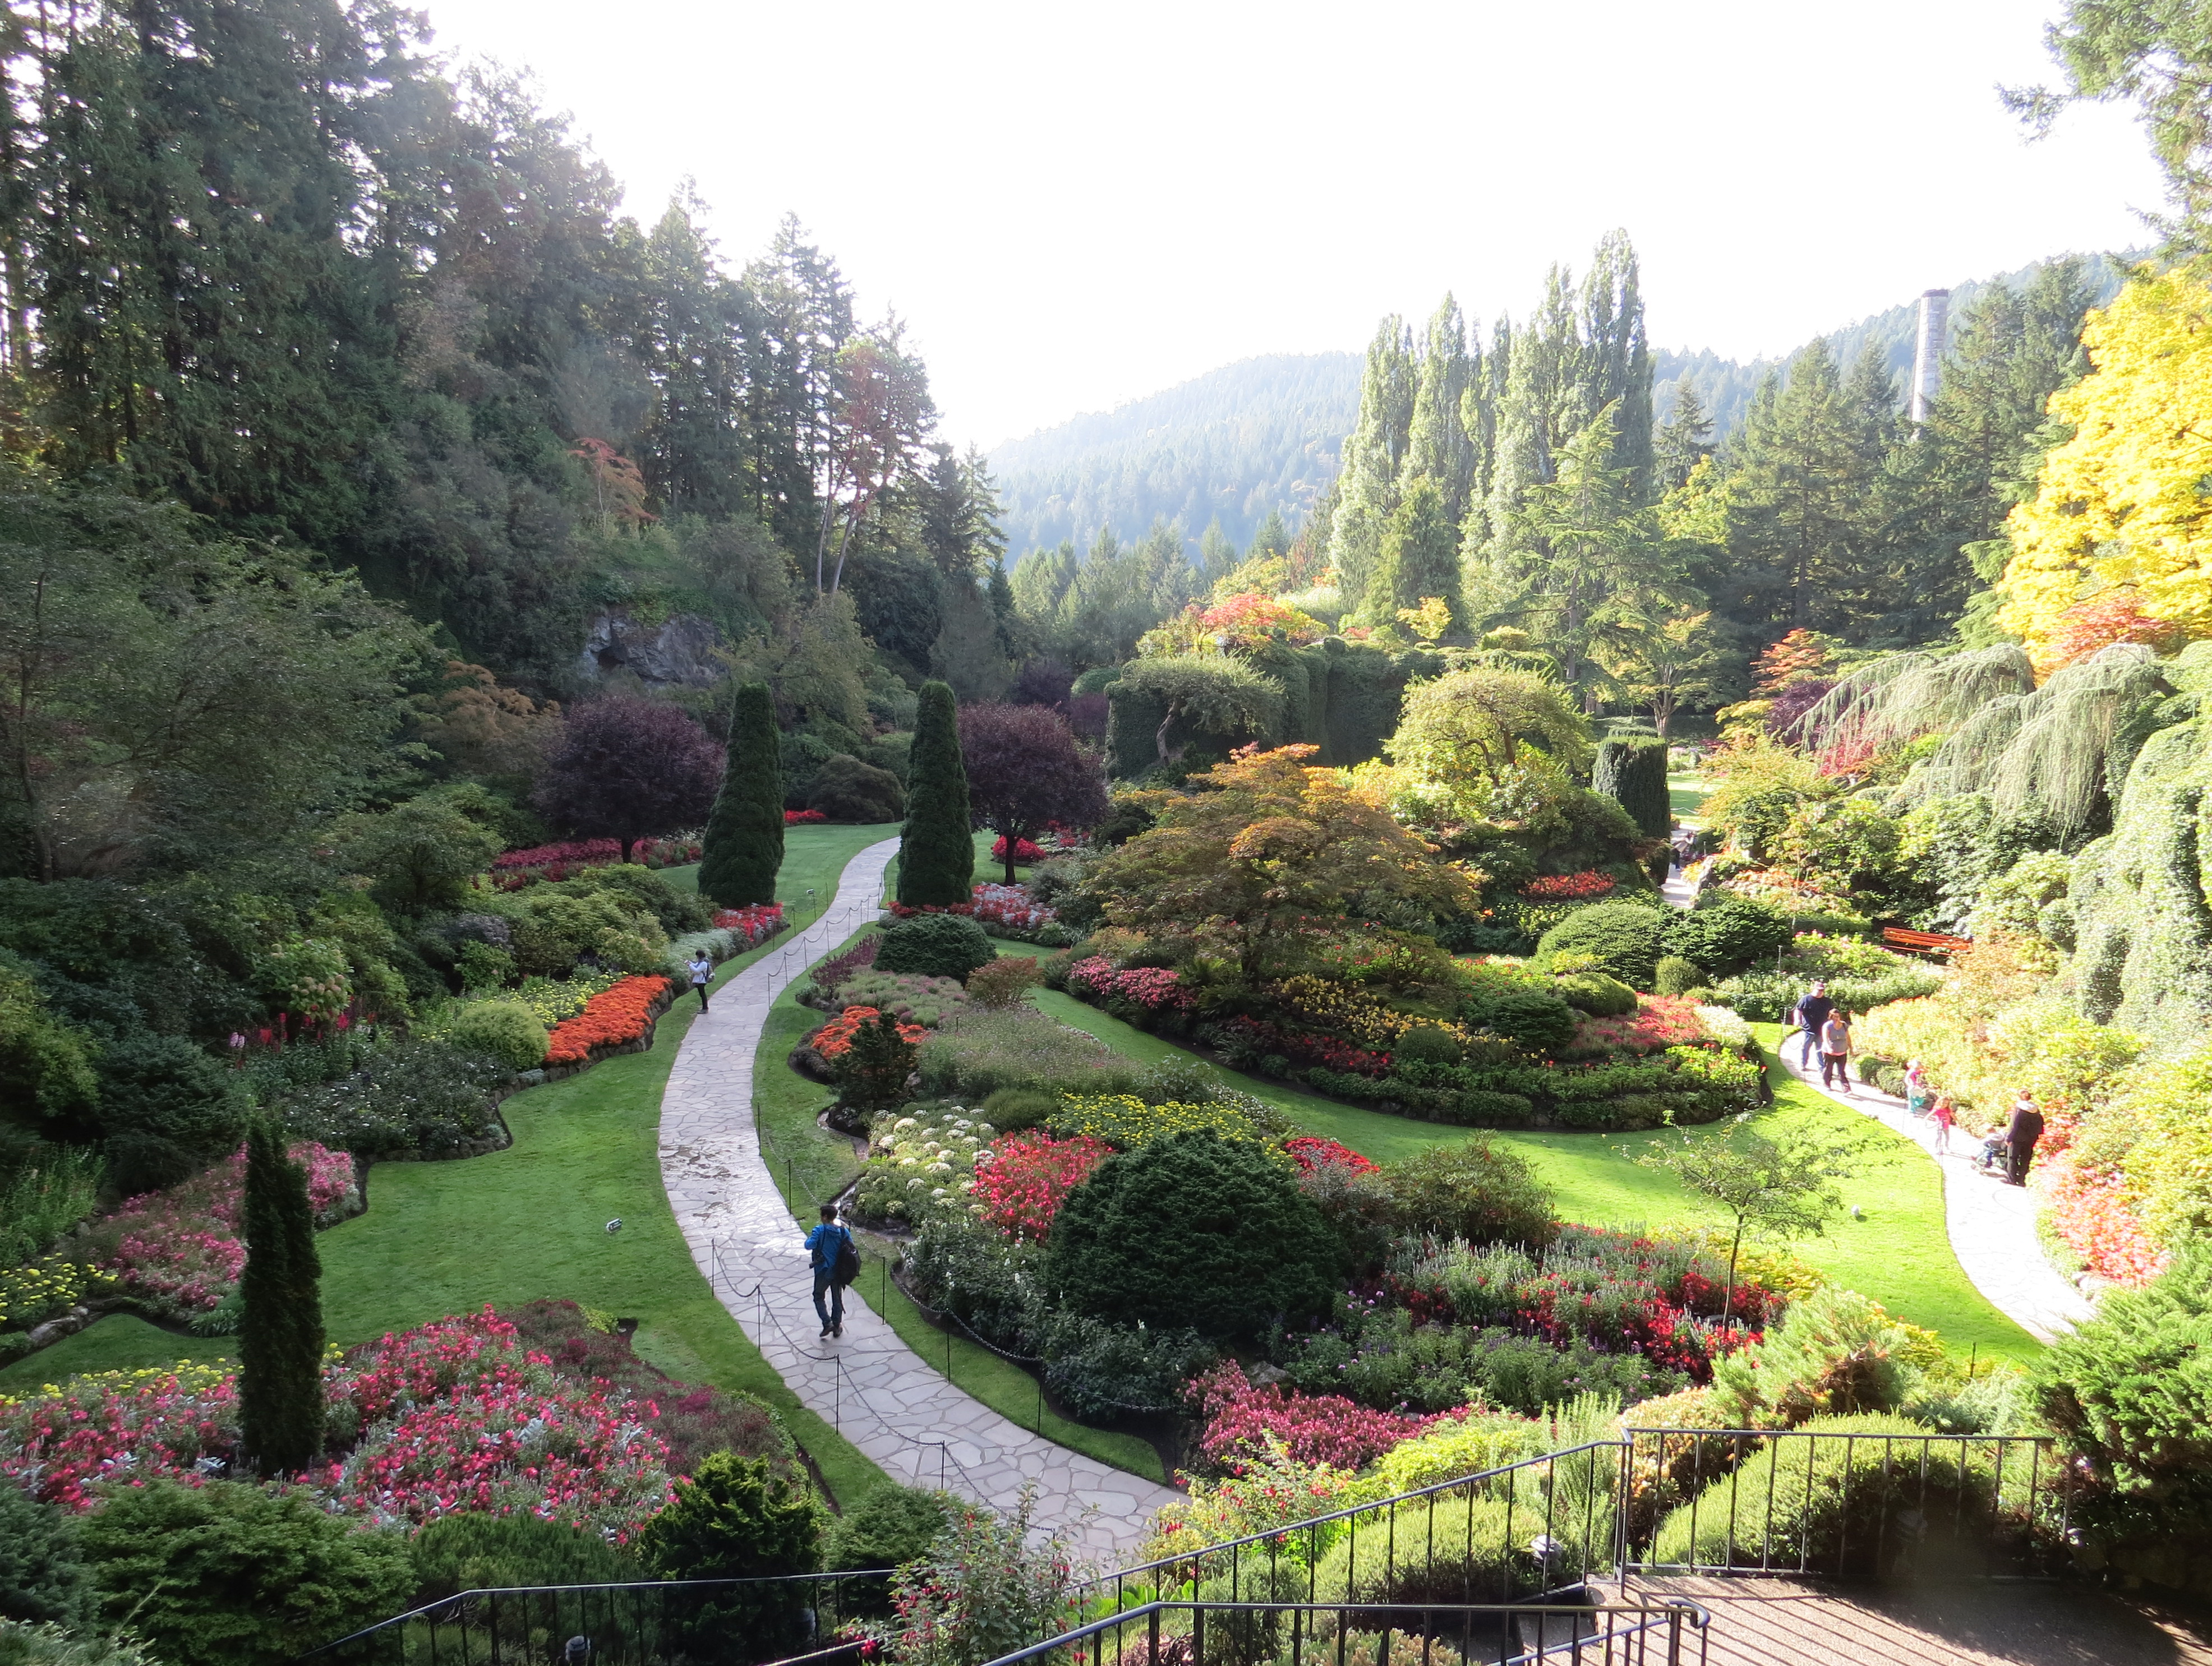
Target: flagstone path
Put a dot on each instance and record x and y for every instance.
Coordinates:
(879, 1393)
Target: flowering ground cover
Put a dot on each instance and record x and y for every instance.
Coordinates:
(615, 1018)
(754, 923)
(1029, 1176)
(1241, 1420)
(516, 868)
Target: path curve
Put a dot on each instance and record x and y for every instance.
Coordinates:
(1991, 1225)
(876, 1391)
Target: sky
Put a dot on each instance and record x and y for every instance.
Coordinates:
(1073, 206)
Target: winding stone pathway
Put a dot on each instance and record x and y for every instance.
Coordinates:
(874, 1389)
(1992, 1225)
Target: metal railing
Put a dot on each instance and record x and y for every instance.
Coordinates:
(1843, 1505)
(1669, 1633)
(709, 1622)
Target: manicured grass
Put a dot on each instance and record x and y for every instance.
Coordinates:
(121, 1341)
(1898, 1251)
(1687, 794)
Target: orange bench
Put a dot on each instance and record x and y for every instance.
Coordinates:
(1896, 937)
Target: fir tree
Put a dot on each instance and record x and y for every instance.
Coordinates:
(743, 845)
(1271, 539)
(937, 848)
(280, 1332)
(1437, 446)
(1685, 438)
(1420, 557)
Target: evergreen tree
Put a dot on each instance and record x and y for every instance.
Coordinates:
(1420, 557)
(1685, 438)
(1374, 453)
(1633, 773)
(744, 847)
(1438, 447)
(1799, 482)
(1217, 554)
(936, 847)
(280, 1331)
(1272, 539)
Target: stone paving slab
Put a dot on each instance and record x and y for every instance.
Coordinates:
(868, 1384)
(1991, 1225)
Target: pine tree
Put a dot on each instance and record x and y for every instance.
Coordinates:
(1685, 438)
(937, 848)
(1420, 557)
(1271, 539)
(1217, 554)
(744, 847)
(280, 1332)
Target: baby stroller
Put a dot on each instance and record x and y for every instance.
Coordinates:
(1995, 1156)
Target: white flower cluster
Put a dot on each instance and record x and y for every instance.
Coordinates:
(916, 1166)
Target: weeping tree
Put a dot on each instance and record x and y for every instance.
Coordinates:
(1211, 695)
(743, 845)
(1900, 696)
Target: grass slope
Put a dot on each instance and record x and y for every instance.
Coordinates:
(1898, 1251)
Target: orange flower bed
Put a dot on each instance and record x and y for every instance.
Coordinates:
(610, 1019)
(834, 1039)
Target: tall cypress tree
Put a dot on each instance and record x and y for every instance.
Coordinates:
(936, 848)
(744, 847)
(1633, 773)
(280, 1332)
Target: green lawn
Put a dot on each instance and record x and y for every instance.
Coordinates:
(1898, 1251)
(530, 1221)
(1687, 794)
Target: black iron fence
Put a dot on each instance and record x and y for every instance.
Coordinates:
(1568, 1632)
(705, 1622)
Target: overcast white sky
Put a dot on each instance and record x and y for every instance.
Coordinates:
(1073, 206)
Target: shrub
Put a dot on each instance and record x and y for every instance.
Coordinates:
(1022, 1188)
(1468, 1541)
(1014, 1110)
(52, 1189)
(1539, 1019)
(1473, 1190)
(1462, 1445)
(505, 1029)
(1193, 1229)
(644, 892)
(471, 1550)
(937, 945)
(976, 1054)
(937, 849)
(1633, 772)
(907, 997)
(873, 1070)
(228, 1574)
(890, 1527)
(409, 1098)
(984, 1590)
(745, 829)
(845, 789)
(22, 1643)
(42, 1577)
(1598, 995)
(1126, 1122)
(1835, 1507)
(169, 1110)
(740, 1519)
(1835, 1354)
(1677, 976)
(1624, 937)
(1003, 983)
(1105, 1372)
(1245, 1423)
(1727, 935)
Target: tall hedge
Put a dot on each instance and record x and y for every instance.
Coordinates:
(744, 847)
(280, 1331)
(936, 848)
(1634, 772)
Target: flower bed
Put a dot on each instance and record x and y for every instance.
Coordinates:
(1027, 1178)
(615, 1018)
(1243, 1039)
(132, 1427)
(1026, 854)
(31, 1295)
(1148, 988)
(555, 863)
(1007, 910)
(1126, 1122)
(834, 1039)
(1585, 887)
(1658, 1022)
(917, 1166)
(1311, 1151)
(754, 923)
(803, 818)
(1242, 1422)
(680, 851)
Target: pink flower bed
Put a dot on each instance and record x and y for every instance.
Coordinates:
(1567, 888)
(1152, 988)
(1262, 1036)
(1658, 1022)
(116, 1425)
(181, 1247)
(1314, 1428)
(1311, 1151)
(1030, 1177)
(755, 922)
(1010, 906)
(554, 861)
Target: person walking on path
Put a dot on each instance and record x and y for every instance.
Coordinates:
(1943, 1116)
(2024, 1130)
(701, 969)
(825, 1246)
(1812, 1012)
(1915, 1089)
(1836, 1050)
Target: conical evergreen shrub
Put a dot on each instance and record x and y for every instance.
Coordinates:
(280, 1332)
(936, 848)
(743, 845)
(1634, 772)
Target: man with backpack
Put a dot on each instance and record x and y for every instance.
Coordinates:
(836, 1263)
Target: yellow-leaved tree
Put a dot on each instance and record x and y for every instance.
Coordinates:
(2123, 511)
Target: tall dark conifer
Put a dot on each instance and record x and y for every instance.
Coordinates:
(743, 845)
(280, 1331)
(936, 848)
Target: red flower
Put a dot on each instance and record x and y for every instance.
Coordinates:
(1310, 1152)
(1030, 1177)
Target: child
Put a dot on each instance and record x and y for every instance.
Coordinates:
(1915, 1089)
(1836, 1050)
(1943, 1116)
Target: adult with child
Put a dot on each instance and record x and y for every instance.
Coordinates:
(1811, 1012)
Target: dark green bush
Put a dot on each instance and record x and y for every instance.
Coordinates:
(740, 1519)
(1428, 1043)
(1599, 995)
(1728, 934)
(409, 1098)
(42, 1577)
(2130, 1391)
(1011, 1110)
(1625, 939)
(169, 1110)
(936, 946)
(888, 1527)
(1193, 1231)
(742, 847)
(1677, 976)
(1633, 773)
(936, 847)
(469, 1551)
(1105, 1371)
(1473, 1190)
(1538, 1019)
(847, 790)
(227, 1574)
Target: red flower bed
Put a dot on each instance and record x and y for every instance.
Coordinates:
(2092, 1213)
(144, 1425)
(755, 922)
(1152, 988)
(1314, 1428)
(803, 818)
(572, 853)
(613, 1018)
(1025, 852)
(1311, 1151)
(1263, 1036)
(907, 910)
(1659, 1021)
(834, 1039)
(1030, 1177)
(1567, 888)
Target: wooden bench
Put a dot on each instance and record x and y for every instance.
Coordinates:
(1896, 937)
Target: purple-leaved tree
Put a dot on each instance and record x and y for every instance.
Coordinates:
(629, 769)
(1025, 771)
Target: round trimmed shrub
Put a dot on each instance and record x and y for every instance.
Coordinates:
(1626, 938)
(471, 1550)
(507, 1030)
(1428, 1043)
(1601, 996)
(936, 946)
(1538, 1019)
(1193, 1231)
(847, 790)
(1727, 935)
(1011, 1110)
(889, 1528)
(1676, 976)
(1473, 1190)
